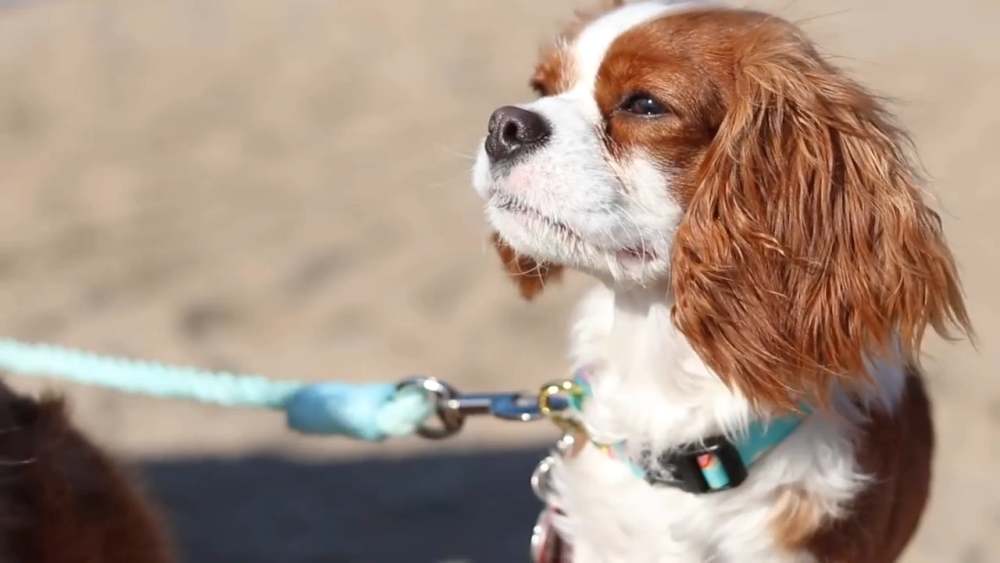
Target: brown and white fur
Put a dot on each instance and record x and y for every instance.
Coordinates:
(761, 239)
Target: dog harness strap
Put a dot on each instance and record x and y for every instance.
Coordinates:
(715, 464)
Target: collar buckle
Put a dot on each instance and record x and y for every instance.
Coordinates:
(709, 466)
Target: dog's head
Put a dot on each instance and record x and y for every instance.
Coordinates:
(714, 152)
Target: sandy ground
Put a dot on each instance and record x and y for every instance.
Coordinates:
(282, 187)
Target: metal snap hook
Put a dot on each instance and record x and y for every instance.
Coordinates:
(524, 407)
(452, 408)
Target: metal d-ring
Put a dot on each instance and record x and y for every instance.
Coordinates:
(553, 399)
(451, 420)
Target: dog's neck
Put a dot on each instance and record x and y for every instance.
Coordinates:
(639, 326)
(652, 385)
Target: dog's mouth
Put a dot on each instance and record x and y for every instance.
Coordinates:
(511, 204)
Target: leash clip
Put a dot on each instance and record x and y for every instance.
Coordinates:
(452, 407)
(518, 407)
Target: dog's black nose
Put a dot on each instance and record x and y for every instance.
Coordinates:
(515, 131)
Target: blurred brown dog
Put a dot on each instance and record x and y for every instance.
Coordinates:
(62, 499)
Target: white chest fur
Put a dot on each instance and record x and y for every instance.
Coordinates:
(650, 387)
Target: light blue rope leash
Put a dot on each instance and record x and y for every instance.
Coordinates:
(371, 411)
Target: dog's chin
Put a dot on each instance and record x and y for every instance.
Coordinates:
(545, 240)
(537, 237)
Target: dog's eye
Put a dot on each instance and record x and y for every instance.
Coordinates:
(642, 104)
(539, 88)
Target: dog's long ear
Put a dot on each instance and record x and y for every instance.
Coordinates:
(529, 275)
(807, 249)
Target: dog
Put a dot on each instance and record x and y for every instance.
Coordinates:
(767, 267)
(62, 498)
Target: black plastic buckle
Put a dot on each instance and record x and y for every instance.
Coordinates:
(686, 473)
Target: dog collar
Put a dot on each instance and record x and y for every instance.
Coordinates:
(714, 464)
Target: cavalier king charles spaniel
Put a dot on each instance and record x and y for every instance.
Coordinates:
(768, 267)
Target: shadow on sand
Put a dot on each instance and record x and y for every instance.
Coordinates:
(464, 507)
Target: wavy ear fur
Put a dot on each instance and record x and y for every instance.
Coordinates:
(807, 248)
(529, 275)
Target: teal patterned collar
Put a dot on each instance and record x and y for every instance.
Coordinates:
(715, 464)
